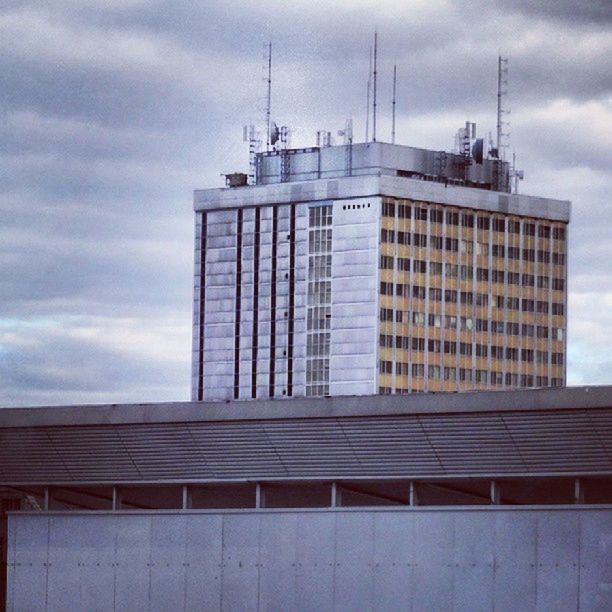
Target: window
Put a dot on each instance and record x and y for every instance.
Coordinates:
(452, 244)
(384, 390)
(420, 214)
(467, 323)
(481, 350)
(450, 322)
(434, 346)
(419, 266)
(557, 308)
(467, 297)
(418, 344)
(465, 348)
(386, 314)
(467, 246)
(543, 256)
(514, 253)
(526, 380)
(482, 325)
(483, 223)
(402, 369)
(542, 331)
(514, 278)
(451, 270)
(527, 280)
(386, 288)
(467, 220)
(436, 242)
(419, 240)
(418, 370)
(418, 292)
(497, 352)
(514, 227)
(558, 284)
(542, 381)
(433, 372)
(403, 264)
(542, 307)
(388, 209)
(528, 229)
(452, 218)
(511, 380)
(556, 358)
(385, 341)
(385, 367)
(402, 290)
(467, 272)
(386, 262)
(465, 375)
(482, 248)
(558, 233)
(559, 260)
(499, 225)
(498, 250)
(418, 318)
(403, 211)
(497, 276)
(527, 330)
(435, 320)
(528, 254)
(403, 238)
(482, 299)
(402, 343)
(528, 305)
(482, 274)
(481, 376)
(435, 294)
(436, 215)
(557, 334)
(450, 374)
(450, 296)
(497, 378)
(512, 353)
(543, 231)
(387, 235)
(527, 355)
(450, 348)
(435, 268)
(497, 327)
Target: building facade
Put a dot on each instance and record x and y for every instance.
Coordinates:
(376, 268)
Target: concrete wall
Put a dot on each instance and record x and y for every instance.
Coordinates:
(413, 559)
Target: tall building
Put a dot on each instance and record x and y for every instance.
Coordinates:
(376, 268)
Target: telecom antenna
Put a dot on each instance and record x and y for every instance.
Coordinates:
(269, 97)
(374, 92)
(367, 130)
(502, 91)
(393, 103)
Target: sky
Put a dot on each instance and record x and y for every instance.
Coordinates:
(113, 111)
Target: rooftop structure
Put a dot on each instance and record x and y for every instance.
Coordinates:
(376, 268)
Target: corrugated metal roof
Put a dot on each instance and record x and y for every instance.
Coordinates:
(489, 443)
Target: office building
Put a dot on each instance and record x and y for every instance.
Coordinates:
(376, 268)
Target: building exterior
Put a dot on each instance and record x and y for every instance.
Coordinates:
(445, 501)
(372, 269)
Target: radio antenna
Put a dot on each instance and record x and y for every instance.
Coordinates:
(374, 92)
(367, 128)
(269, 97)
(393, 103)
(502, 91)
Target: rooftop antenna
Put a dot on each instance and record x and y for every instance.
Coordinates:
(269, 97)
(367, 130)
(393, 104)
(515, 175)
(374, 91)
(502, 91)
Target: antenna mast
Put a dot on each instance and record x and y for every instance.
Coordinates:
(269, 97)
(367, 129)
(393, 104)
(502, 90)
(374, 92)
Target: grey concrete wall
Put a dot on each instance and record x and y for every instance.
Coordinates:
(422, 559)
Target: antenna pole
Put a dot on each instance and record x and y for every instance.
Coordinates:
(269, 97)
(393, 104)
(502, 84)
(367, 129)
(374, 92)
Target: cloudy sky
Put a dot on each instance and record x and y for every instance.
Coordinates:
(113, 111)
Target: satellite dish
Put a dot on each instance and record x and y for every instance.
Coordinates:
(274, 134)
(478, 150)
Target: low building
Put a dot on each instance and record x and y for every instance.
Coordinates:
(467, 501)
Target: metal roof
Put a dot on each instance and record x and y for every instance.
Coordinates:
(537, 432)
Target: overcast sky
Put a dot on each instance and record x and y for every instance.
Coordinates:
(112, 112)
